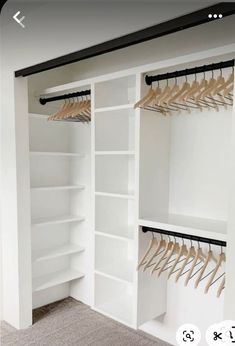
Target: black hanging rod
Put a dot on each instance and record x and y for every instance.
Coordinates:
(146, 229)
(43, 101)
(201, 69)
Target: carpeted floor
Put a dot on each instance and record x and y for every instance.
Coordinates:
(70, 323)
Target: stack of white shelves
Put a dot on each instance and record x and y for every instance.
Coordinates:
(115, 198)
(52, 191)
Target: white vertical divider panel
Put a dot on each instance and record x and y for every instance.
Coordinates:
(93, 95)
(229, 298)
(24, 286)
(151, 291)
(136, 204)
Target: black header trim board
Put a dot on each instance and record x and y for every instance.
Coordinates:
(180, 23)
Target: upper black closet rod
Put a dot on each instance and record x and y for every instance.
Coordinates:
(43, 101)
(146, 229)
(205, 68)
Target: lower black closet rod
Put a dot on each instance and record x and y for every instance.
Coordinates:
(43, 101)
(181, 73)
(146, 229)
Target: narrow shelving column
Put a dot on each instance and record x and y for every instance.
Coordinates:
(60, 203)
(115, 198)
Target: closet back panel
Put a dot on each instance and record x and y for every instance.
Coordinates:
(49, 171)
(114, 130)
(111, 213)
(48, 135)
(47, 204)
(199, 164)
(115, 92)
(114, 173)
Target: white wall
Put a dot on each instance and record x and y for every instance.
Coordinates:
(48, 35)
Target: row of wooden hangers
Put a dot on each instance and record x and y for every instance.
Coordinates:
(208, 93)
(183, 261)
(76, 110)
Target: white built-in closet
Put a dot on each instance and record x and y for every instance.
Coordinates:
(92, 187)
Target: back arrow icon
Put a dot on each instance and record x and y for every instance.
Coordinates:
(19, 20)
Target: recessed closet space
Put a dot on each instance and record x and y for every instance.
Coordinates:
(185, 164)
(60, 176)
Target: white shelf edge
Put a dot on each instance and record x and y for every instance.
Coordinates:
(113, 236)
(113, 277)
(116, 195)
(57, 220)
(65, 187)
(54, 153)
(115, 108)
(189, 230)
(103, 312)
(55, 279)
(38, 116)
(68, 249)
(115, 152)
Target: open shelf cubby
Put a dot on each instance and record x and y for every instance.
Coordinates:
(114, 299)
(115, 92)
(114, 131)
(114, 217)
(115, 174)
(186, 187)
(114, 258)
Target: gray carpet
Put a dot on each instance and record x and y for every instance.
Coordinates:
(70, 323)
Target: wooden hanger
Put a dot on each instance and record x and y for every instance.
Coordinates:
(161, 245)
(221, 287)
(210, 257)
(145, 98)
(174, 249)
(54, 116)
(229, 81)
(153, 242)
(199, 256)
(221, 259)
(182, 252)
(191, 254)
(168, 247)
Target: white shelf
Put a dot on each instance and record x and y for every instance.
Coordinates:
(54, 153)
(65, 187)
(122, 233)
(120, 194)
(120, 270)
(214, 229)
(116, 152)
(115, 108)
(38, 116)
(54, 279)
(56, 220)
(64, 250)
